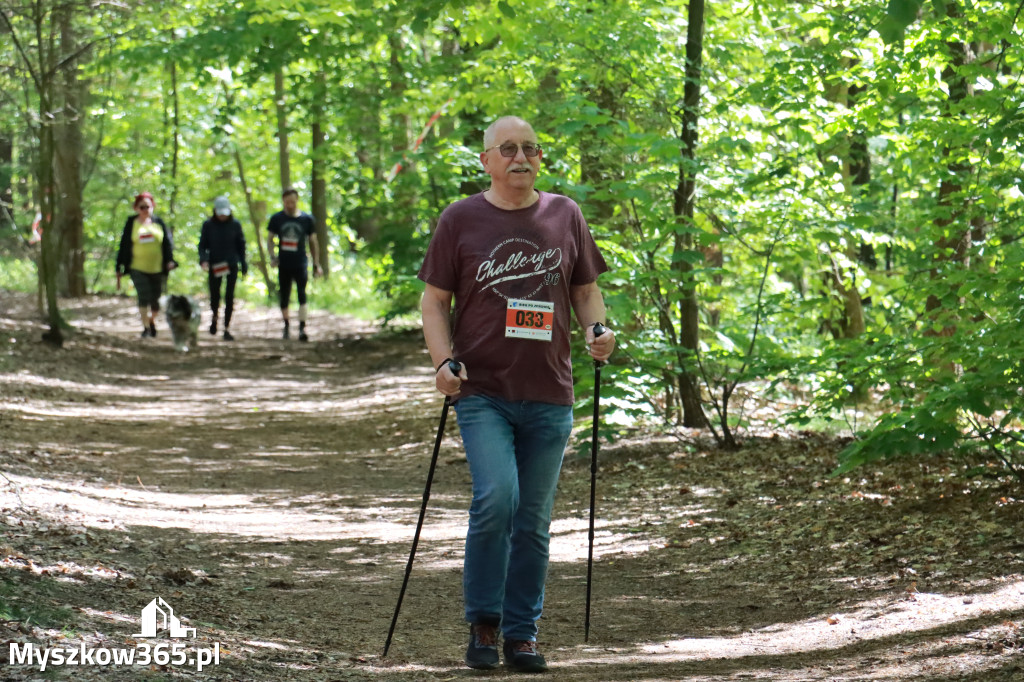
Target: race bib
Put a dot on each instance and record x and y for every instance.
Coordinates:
(220, 269)
(289, 244)
(529, 319)
(146, 237)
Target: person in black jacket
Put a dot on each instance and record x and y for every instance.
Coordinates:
(146, 254)
(222, 255)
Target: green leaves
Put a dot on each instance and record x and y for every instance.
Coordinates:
(899, 14)
(793, 97)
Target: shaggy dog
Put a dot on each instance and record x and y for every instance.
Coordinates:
(183, 319)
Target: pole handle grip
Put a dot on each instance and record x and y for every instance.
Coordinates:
(455, 366)
(598, 330)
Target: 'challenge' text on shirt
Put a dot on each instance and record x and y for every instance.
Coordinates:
(541, 262)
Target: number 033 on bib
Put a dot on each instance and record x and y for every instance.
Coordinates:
(529, 319)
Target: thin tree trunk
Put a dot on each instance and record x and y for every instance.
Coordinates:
(69, 150)
(283, 155)
(683, 207)
(256, 209)
(175, 139)
(856, 170)
(366, 220)
(256, 215)
(6, 167)
(318, 200)
(405, 196)
(50, 251)
(6, 185)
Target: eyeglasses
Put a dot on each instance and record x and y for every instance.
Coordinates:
(510, 149)
(144, 207)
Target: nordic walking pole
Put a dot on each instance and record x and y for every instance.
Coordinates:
(456, 367)
(598, 330)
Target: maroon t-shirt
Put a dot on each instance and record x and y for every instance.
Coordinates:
(511, 272)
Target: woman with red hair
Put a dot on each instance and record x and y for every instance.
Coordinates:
(146, 254)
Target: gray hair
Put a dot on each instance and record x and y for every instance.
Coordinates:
(489, 133)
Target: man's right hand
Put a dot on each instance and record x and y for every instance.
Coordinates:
(448, 383)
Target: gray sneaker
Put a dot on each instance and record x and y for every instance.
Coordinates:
(482, 652)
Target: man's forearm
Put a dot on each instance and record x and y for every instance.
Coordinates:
(588, 304)
(314, 249)
(436, 329)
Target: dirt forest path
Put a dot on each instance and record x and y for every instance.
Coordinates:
(268, 490)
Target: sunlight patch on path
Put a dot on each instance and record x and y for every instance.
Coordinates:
(257, 515)
(570, 539)
(846, 633)
(263, 396)
(223, 514)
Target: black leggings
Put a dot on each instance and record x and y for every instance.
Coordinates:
(148, 287)
(285, 278)
(229, 294)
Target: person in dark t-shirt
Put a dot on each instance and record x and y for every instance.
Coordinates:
(293, 228)
(518, 264)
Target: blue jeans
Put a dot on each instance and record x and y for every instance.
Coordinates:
(514, 450)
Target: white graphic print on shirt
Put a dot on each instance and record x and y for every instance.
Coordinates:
(291, 236)
(515, 260)
(517, 270)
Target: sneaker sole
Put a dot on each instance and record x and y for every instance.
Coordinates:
(526, 668)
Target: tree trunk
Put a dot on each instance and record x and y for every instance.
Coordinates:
(44, 74)
(49, 260)
(683, 207)
(366, 220)
(69, 151)
(6, 187)
(257, 213)
(851, 321)
(6, 168)
(856, 171)
(399, 121)
(319, 179)
(175, 127)
(284, 161)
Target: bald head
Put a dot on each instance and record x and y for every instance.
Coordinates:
(503, 123)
